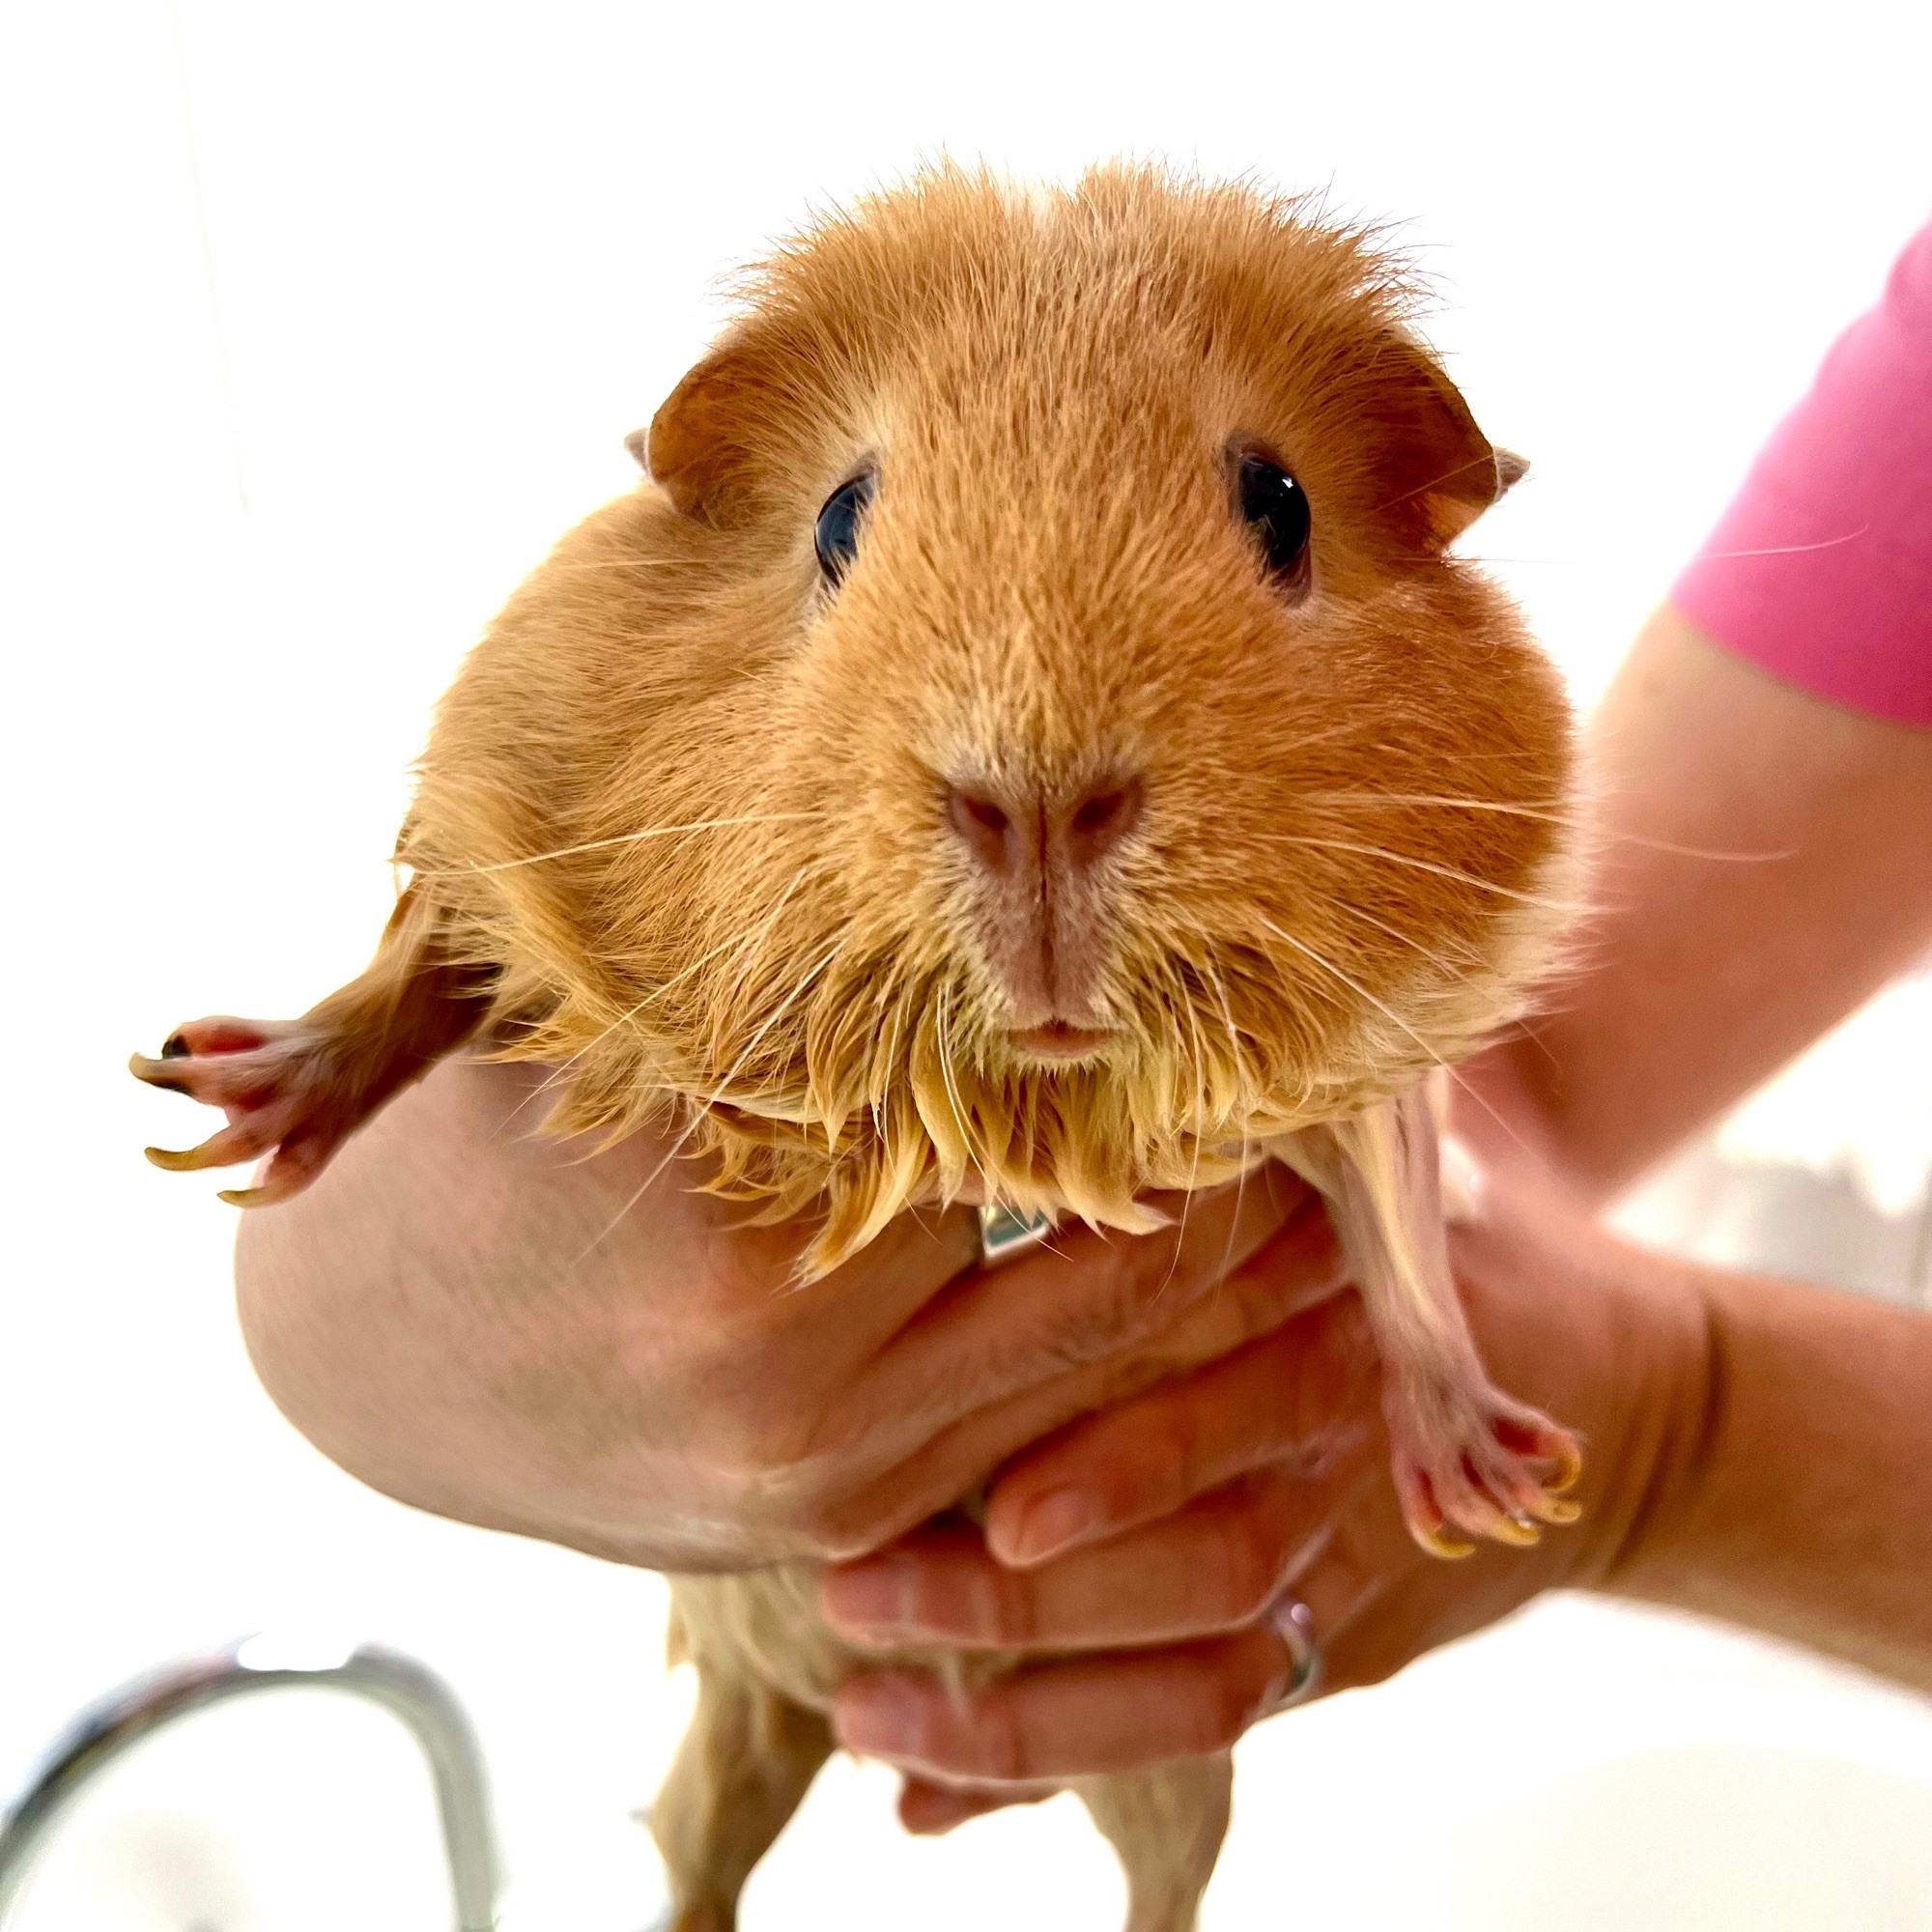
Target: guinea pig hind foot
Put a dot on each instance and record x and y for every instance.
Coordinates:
(272, 1079)
(1470, 1462)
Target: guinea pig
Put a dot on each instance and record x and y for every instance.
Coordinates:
(1029, 739)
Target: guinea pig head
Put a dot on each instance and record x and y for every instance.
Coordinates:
(1034, 737)
(1028, 736)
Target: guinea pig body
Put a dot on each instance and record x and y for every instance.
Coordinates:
(1027, 740)
(877, 963)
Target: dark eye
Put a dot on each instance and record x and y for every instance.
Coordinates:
(836, 536)
(1275, 508)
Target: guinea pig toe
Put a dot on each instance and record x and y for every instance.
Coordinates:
(221, 1063)
(246, 1138)
(1484, 1466)
(1428, 1522)
(1538, 1444)
(270, 1083)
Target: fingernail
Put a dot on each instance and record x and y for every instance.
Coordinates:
(1050, 1522)
(885, 1715)
(872, 1599)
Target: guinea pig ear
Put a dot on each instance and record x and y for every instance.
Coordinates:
(697, 445)
(1447, 472)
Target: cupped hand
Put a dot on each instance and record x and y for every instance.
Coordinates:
(580, 1346)
(1145, 1555)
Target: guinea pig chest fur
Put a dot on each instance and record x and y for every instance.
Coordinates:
(1027, 740)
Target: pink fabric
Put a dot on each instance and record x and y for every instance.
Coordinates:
(1821, 569)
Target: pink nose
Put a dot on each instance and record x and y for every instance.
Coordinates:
(1011, 835)
(1040, 915)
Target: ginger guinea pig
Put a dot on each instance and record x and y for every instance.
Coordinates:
(1027, 740)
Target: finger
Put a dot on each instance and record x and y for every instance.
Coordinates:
(1210, 1568)
(1307, 1391)
(1338, 1585)
(935, 1471)
(1378, 1608)
(858, 1309)
(1078, 1299)
(1068, 1720)
(928, 1809)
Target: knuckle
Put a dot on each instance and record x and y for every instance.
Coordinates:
(1007, 1751)
(1006, 1609)
(1094, 1327)
(1173, 1461)
(1246, 1564)
(827, 1528)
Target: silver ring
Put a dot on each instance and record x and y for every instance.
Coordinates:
(1006, 1232)
(1295, 1623)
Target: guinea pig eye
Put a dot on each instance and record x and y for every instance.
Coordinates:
(835, 537)
(1275, 508)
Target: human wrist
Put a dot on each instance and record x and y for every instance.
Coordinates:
(1657, 1382)
(1802, 1505)
(1613, 1341)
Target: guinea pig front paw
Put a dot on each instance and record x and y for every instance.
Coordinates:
(270, 1080)
(1468, 1459)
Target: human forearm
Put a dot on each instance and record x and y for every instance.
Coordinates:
(1758, 871)
(1758, 1451)
(1803, 1508)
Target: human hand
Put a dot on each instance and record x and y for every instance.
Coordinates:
(580, 1345)
(1141, 1551)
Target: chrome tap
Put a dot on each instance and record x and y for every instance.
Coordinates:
(271, 1662)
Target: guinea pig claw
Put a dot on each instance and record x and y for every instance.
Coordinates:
(1440, 1545)
(1473, 1462)
(176, 1160)
(271, 1082)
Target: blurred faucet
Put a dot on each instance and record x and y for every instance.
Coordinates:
(273, 1662)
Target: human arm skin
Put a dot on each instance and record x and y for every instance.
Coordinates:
(1762, 864)
(580, 1346)
(1758, 1449)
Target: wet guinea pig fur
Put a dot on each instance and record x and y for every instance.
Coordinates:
(1027, 740)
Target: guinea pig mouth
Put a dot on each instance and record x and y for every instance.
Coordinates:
(1059, 1042)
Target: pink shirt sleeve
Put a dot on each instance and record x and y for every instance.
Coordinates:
(1821, 569)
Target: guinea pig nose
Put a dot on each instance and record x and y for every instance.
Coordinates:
(987, 828)
(1098, 822)
(1014, 836)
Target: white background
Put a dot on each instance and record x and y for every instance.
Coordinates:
(319, 324)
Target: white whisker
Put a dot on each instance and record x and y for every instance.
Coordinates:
(953, 1097)
(624, 1018)
(1437, 799)
(1358, 989)
(1419, 864)
(1449, 967)
(1398, 1020)
(1220, 986)
(1570, 821)
(697, 1113)
(625, 838)
(1194, 1169)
